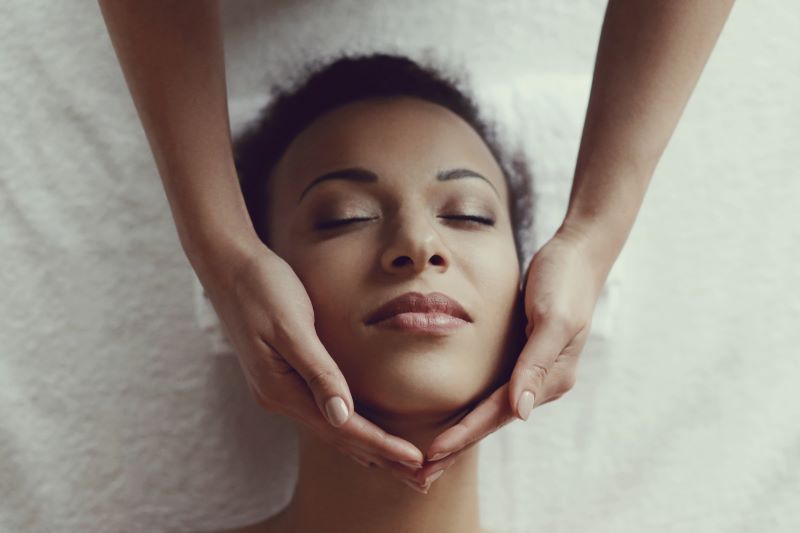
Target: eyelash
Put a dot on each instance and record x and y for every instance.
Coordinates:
(471, 218)
(330, 224)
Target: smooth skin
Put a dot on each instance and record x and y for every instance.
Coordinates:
(649, 59)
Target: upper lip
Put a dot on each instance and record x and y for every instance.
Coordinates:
(416, 302)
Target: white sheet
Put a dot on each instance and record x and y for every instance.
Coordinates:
(119, 413)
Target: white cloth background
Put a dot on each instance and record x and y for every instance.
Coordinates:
(121, 412)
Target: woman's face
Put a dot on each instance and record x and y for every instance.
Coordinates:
(403, 241)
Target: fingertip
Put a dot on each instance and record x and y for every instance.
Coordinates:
(336, 411)
(439, 455)
(452, 439)
(416, 457)
(525, 404)
(439, 452)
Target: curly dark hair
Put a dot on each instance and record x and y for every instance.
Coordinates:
(328, 85)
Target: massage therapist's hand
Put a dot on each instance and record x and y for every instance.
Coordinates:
(267, 316)
(562, 285)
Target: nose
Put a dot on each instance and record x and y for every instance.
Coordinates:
(414, 245)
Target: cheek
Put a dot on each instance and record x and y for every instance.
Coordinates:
(331, 276)
(328, 273)
(493, 269)
(495, 275)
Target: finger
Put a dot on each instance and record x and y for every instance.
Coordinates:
(364, 459)
(361, 432)
(424, 474)
(538, 355)
(412, 479)
(560, 380)
(297, 402)
(357, 457)
(397, 471)
(403, 458)
(349, 445)
(308, 357)
(363, 462)
(490, 415)
(421, 478)
(404, 473)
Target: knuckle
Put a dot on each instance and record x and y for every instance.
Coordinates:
(266, 357)
(282, 329)
(275, 363)
(537, 371)
(539, 313)
(319, 377)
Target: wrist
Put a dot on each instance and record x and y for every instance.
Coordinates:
(216, 253)
(601, 240)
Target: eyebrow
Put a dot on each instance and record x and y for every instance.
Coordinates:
(363, 175)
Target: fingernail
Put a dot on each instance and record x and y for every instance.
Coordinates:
(336, 410)
(411, 465)
(415, 486)
(433, 477)
(525, 404)
(440, 455)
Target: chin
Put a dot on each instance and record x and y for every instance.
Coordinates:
(421, 389)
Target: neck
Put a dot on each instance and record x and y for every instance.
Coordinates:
(335, 494)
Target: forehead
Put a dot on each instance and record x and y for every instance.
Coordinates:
(399, 136)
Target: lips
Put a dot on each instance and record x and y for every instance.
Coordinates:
(416, 302)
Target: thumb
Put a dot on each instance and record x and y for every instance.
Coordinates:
(322, 375)
(533, 365)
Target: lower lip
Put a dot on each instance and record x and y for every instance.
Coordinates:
(437, 323)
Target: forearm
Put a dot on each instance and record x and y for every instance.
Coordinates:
(649, 59)
(171, 54)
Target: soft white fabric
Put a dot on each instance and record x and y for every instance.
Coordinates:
(119, 411)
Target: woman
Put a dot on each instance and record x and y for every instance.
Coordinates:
(406, 192)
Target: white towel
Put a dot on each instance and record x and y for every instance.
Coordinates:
(114, 416)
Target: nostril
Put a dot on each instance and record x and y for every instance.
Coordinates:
(400, 261)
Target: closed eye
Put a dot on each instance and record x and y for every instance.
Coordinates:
(330, 224)
(471, 218)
